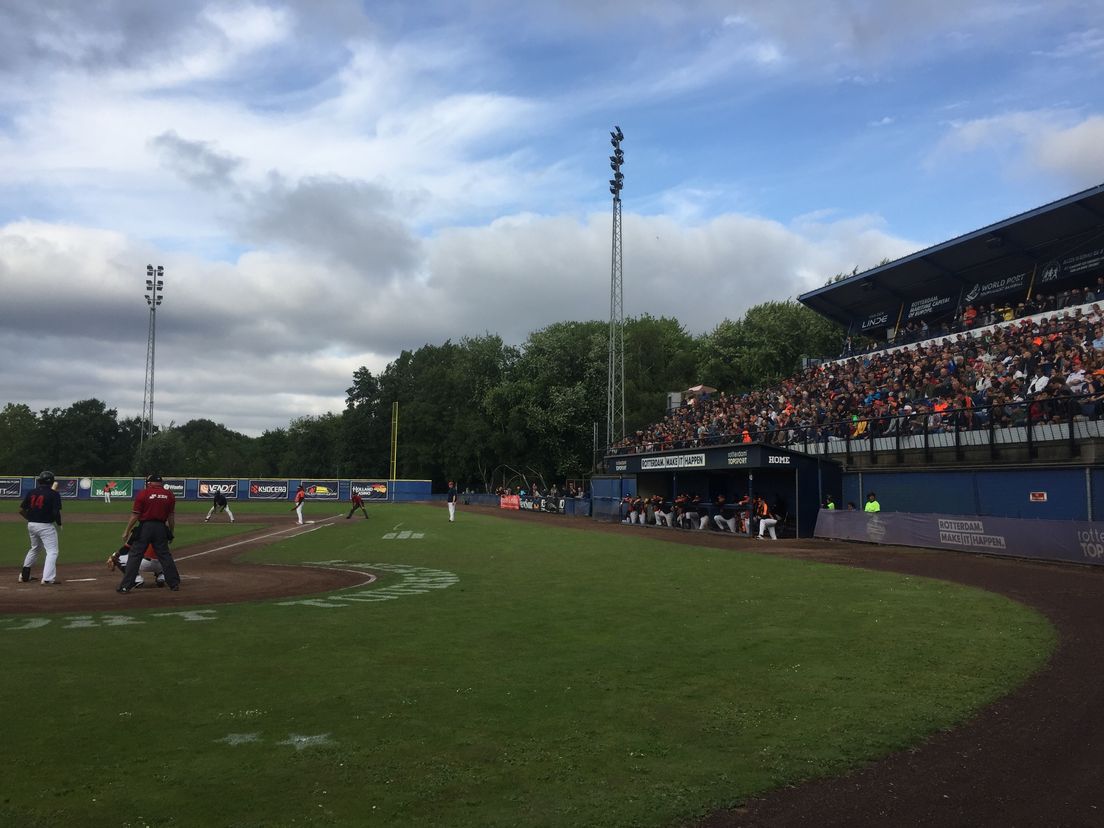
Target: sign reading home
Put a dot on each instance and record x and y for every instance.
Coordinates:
(207, 488)
(268, 489)
(673, 461)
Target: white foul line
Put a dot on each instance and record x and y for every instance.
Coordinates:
(251, 540)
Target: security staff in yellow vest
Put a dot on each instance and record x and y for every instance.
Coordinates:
(872, 504)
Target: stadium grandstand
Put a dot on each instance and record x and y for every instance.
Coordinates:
(983, 352)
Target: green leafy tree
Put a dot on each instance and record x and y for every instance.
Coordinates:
(20, 450)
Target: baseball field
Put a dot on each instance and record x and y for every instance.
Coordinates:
(409, 671)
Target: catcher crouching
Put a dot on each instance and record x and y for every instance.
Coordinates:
(150, 563)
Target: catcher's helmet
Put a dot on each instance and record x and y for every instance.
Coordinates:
(46, 478)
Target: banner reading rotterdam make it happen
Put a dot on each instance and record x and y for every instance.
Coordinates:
(1051, 540)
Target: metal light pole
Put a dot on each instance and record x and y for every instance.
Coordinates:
(154, 284)
(615, 391)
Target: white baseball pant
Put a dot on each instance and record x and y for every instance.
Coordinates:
(43, 539)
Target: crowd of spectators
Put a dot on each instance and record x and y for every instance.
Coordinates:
(973, 316)
(1046, 368)
(570, 489)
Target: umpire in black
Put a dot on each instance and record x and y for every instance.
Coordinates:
(154, 514)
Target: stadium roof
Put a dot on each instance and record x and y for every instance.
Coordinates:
(1054, 246)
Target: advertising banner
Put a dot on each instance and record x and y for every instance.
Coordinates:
(121, 486)
(673, 461)
(880, 319)
(176, 485)
(929, 306)
(996, 287)
(228, 487)
(268, 490)
(10, 486)
(509, 502)
(321, 489)
(1052, 540)
(1082, 264)
(554, 506)
(369, 489)
(66, 486)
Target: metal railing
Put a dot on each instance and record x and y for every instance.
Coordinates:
(1068, 419)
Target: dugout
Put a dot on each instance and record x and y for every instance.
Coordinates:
(799, 481)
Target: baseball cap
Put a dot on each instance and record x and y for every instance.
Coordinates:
(153, 478)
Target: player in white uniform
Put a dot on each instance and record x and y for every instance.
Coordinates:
(453, 496)
(41, 508)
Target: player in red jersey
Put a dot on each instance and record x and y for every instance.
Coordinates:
(358, 503)
(154, 513)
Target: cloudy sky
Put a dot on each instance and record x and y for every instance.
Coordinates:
(329, 182)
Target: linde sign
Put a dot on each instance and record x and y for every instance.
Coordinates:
(676, 461)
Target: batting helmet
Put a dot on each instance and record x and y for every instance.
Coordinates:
(46, 478)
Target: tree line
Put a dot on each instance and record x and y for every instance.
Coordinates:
(477, 411)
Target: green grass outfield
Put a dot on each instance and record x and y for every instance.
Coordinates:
(565, 678)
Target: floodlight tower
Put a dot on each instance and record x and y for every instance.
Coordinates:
(615, 391)
(154, 284)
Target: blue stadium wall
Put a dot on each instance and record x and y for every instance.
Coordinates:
(188, 488)
(1075, 493)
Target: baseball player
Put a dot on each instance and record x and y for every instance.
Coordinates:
(41, 508)
(453, 495)
(154, 514)
(108, 488)
(300, 496)
(149, 561)
(220, 505)
(358, 503)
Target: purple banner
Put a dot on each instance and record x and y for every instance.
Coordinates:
(1049, 540)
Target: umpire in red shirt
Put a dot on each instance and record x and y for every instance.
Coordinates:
(154, 514)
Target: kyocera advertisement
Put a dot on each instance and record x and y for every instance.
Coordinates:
(369, 489)
(268, 489)
(320, 489)
(207, 488)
